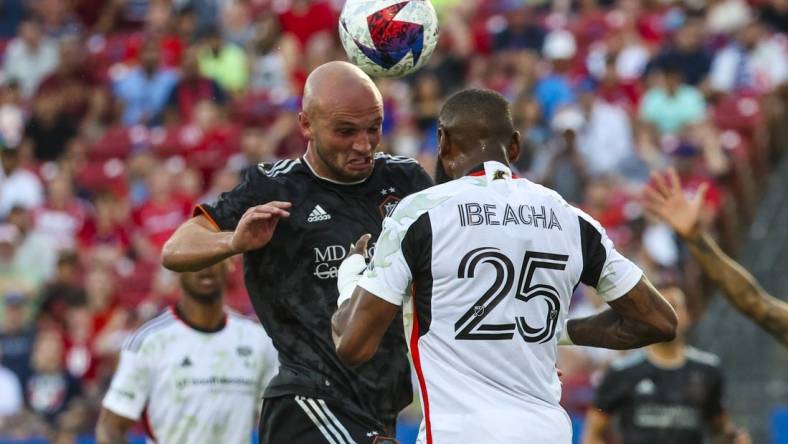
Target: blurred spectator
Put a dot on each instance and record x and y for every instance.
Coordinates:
(671, 105)
(157, 218)
(106, 227)
(754, 62)
(236, 22)
(223, 62)
(30, 57)
(304, 19)
(57, 18)
(12, 116)
(623, 50)
(427, 101)
(521, 30)
(49, 128)
(144, 90)
(687, 53)
(272, 58)
(558, 164)
(223, 180)
(774, 13)
(50, 389)
(122, 14)
(12, 16)
(62, 292)
(191, 89)
(16, 336)
(34, 251)
(62, 215)
(605, 139)
(727, 16)
(18, 186)
(11, 402)
(554, 88)
(72, 80)
(204, 12)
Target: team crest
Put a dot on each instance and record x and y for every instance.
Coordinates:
(388, 205)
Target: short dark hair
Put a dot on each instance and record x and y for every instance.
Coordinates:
(481, 112)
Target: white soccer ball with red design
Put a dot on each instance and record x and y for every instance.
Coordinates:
(389, 38)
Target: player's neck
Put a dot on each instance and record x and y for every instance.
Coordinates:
(206, 317)
(471, 163)
(667, 354)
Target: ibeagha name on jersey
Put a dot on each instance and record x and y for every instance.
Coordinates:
(473, 214)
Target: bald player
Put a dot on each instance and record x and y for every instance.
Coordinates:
(295, 221)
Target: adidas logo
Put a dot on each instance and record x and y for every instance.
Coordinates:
(318, 214)
(186, 362)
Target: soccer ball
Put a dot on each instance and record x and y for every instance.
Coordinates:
(388, 38)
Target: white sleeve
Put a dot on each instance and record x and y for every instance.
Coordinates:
(130, 388)
(604, 268)
(270, 358)
(388, 275)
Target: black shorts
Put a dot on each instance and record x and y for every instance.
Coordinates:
(301, 420)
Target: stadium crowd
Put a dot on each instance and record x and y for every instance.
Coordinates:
(116, 116)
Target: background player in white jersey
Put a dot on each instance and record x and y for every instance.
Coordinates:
(194, 374)
(485, 267)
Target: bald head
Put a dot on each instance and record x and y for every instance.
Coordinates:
(332, 83)
(475, 117)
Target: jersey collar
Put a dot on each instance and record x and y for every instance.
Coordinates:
(493, 170)
(176, 311)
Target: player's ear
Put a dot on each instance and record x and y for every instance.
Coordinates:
(305, 125)
(443, 141)
(513, 150)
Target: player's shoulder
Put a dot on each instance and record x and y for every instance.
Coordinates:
(702, 358)
(544, 192)
(394, 161)
(428, 199)
(238, 320)
(407, 166)
(628, 362)
(277, 171)
(150, 330)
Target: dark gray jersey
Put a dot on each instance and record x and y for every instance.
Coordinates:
(292, 280)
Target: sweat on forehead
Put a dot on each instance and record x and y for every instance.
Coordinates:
(332, 83)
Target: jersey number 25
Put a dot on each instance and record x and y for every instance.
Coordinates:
(470, 326)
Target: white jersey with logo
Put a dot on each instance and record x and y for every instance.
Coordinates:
(485, 267)
(191, 386)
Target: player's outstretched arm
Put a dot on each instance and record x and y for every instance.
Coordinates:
(111, 428)
(636, 319)
(666, 200)
(198, 244)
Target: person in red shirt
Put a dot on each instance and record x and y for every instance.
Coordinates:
(306, 18)
(105, 227)
(159, 217)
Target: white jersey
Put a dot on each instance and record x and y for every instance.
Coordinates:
(485, 267)
(191, 386)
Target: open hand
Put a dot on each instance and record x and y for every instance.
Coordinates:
(666, 201)
(257, 226)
